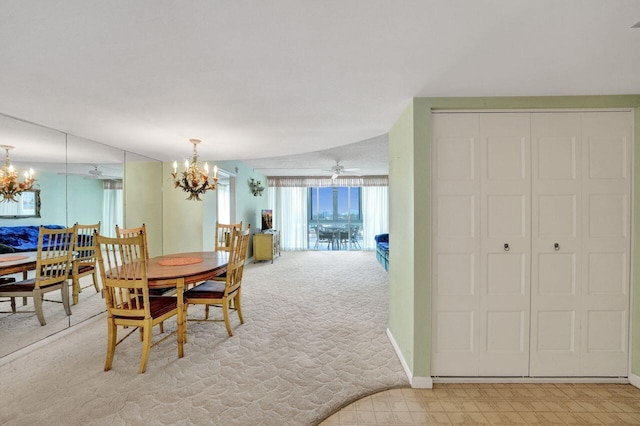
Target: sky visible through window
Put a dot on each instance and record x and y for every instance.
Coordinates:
(322, 202)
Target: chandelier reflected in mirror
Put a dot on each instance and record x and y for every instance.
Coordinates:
(192, 180)
(10, 186)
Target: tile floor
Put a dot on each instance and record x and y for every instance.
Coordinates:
(500, 404)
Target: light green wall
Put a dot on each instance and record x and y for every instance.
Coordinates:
(182, 218)
(401, 234)
(84, 200)
(143, 201)
(415, 341)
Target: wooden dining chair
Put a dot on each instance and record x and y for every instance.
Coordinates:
(132, 232)
(123, 270)
(84, 260)
(53, 262)
(225, 294)
(223, 235)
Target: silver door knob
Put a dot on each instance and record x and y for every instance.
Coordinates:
(556, 246)
(506, 246)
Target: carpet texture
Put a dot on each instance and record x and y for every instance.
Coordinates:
(313, 340)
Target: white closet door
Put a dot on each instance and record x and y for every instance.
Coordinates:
(606, 138)
(556, 244)
(531, 243)
(505, 244)
(456, 239)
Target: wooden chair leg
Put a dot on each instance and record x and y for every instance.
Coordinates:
(206, 312)
(238, 305)
(37, 304)
(65, 298)
(161, 327)
(146, 347)
(112, 335)
(184, 321)
(13, 305)
(95, 281)
(225, 312)
(75, 290)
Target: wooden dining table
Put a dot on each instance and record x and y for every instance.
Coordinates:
(165, 271)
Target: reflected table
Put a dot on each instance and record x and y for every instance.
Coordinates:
(14, 263)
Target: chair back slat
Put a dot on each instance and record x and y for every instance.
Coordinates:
(123, 270)
(55, 251)
(85, 245)
(237, 257)
(132, 232)
(223, 235)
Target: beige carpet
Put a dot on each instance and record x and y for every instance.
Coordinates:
(313, 340)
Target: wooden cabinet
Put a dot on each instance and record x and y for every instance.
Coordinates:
(265, 245)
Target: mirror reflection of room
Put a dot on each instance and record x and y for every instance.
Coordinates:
(76, 181)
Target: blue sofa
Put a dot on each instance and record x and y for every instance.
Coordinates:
(22, 238)
(382, 250)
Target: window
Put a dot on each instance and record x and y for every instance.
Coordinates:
(337, 210)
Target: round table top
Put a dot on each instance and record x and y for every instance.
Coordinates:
(213, 263)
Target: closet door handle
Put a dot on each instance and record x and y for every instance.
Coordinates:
(556, 247)
(506, 247)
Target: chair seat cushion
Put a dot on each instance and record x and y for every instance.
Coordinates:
(159, 305)
(84, 268)
(26, 285)
(208, 289)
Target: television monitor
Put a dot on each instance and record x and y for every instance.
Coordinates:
(267, 219)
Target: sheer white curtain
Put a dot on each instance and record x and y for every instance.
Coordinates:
(112, 211)
(375, 214)
(224, 203)
(289, 207)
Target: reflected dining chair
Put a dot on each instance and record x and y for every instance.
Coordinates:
(223, 235)
(227, 293)
(84, 260)
(53, 262)
(123, 270)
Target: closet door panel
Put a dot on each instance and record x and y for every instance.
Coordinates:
(456, 240)
(556, 244)
(505, 244)
(607, 140)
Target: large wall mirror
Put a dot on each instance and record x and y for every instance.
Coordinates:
(81, 181)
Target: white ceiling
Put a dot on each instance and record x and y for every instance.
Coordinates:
(256, 79)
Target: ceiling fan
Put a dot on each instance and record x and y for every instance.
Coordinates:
(95, 173)
(339, 170)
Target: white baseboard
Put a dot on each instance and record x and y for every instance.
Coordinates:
(531, 380)
(634, 380)
(416, 382)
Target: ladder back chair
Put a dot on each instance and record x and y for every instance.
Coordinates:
(225, 294)
(84, 260)
(53, 263)
(123, 269)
